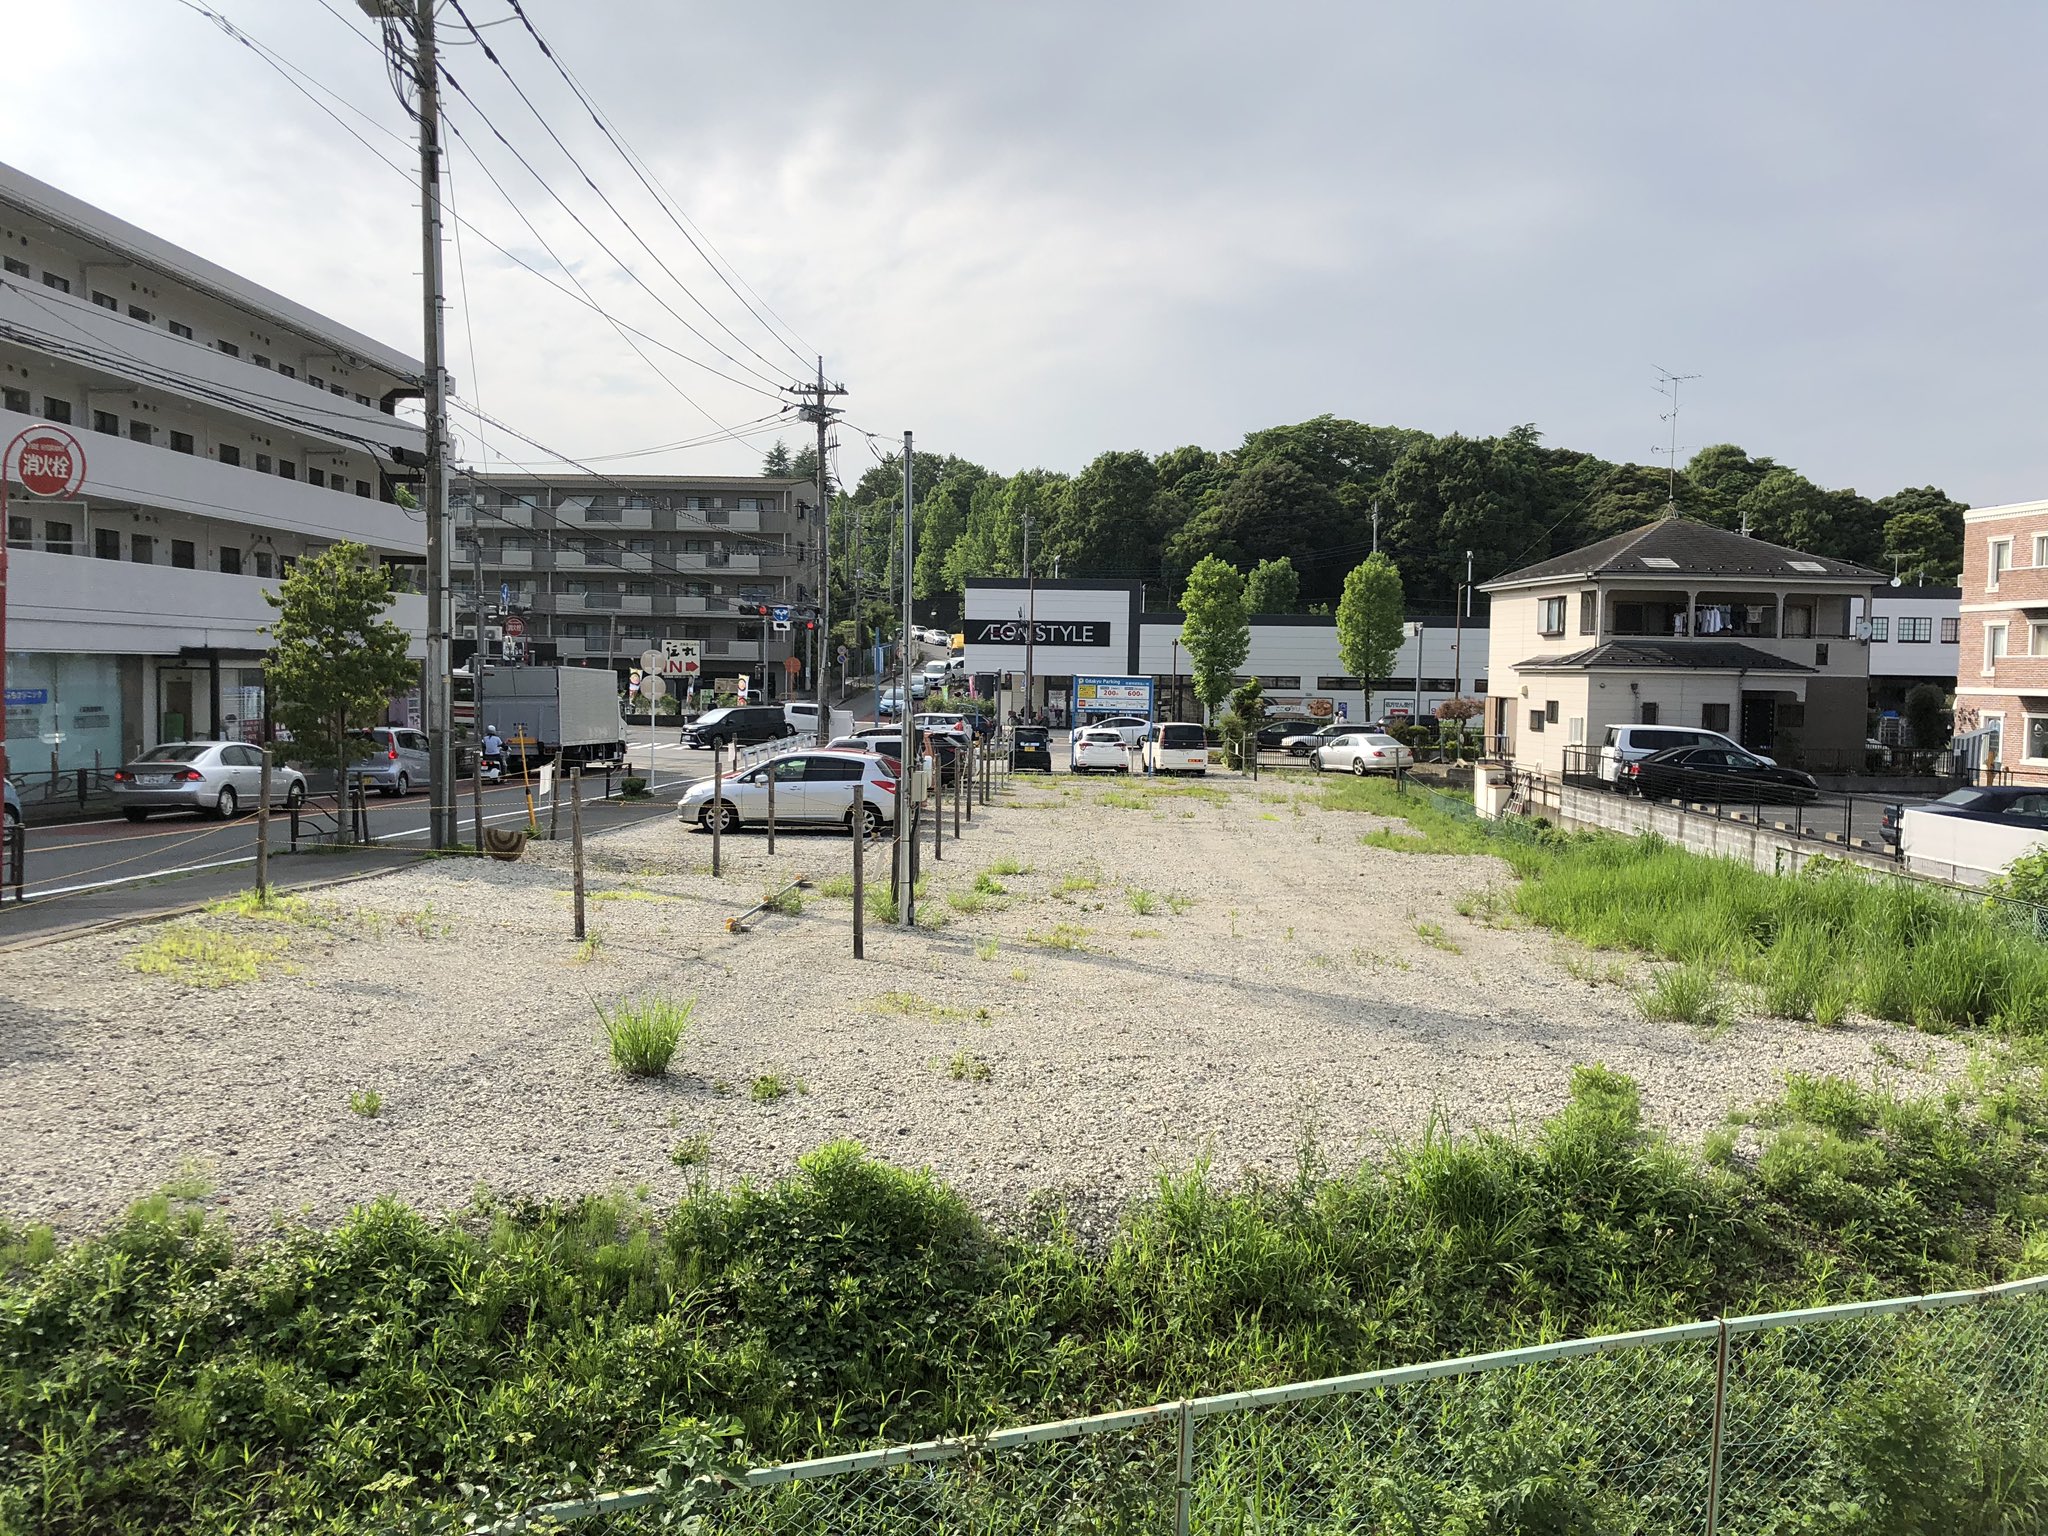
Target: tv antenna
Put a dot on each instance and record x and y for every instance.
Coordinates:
(1668, 387)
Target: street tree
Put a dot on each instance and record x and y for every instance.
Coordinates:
(1214, 631)
(778, 462)
(1274, 586)
(335, 659)
(1370, 620)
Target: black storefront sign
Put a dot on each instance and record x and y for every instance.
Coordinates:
(1093, 633)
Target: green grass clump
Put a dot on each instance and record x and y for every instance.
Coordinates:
(277, 907)
(967, 903)
(170, 1373)
(1075, 884)
(1068, 936)
(1141, 902)
(691, 1152)
(788, 903)
(966, 1067)
(837, 887)
(770, 1086)
(367, 1102)
(204, 958)
(1431, 934)
(986, 884)
(644, 1035)
(1008, 866)
(1686, 994)
(986, 949)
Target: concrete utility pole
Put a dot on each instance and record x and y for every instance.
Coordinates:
(906, 898)
(1031, 615)
(816, 410)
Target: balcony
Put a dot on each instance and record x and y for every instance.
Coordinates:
(587, 559)
(513, 559)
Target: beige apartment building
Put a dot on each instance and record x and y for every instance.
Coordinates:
(1681, 623)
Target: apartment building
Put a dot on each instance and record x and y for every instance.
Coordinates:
(227, 431)
(2002, 670)
(1915, 635)
(1681, 623)
(598, 569)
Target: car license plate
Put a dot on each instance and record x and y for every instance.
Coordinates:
(152, 780)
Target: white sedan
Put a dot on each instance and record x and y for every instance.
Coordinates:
(1362, 752)
(814, 788)
(1098, 747)
(1131, 730)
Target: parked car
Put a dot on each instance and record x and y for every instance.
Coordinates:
(812, 788)
(1361, 752)
(936, 674)
(1174, 746)
(1131, 730)
(10, 805)
(395, 759)
(746, 724)
(1716, 773)
(1625, 743)
(955, 726)
(1273, 733)
(1302, 743)
(1031, 749)
(213, 778)
(950, 749)
(889, 702)
(2009, 805)
(1098, 748)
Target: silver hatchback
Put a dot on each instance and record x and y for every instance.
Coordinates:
(394, 760)
(210, 777)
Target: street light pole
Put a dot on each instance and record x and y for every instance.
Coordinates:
(906, 898)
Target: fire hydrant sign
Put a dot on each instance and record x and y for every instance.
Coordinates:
(48, 462)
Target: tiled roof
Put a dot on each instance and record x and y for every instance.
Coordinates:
(1679, 546)
(1688, 655)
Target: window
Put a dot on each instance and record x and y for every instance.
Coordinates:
(2001, 561)
(230, 454)
(228, 349)
(1714, 717)
(263, 564)
(16, 400)
(1920, 631)
(262, 463)
(2037, 737)
(55, 409)
(1550, 616)
(333, 389)
(181, 442)
(106, 301)
(1275, 680)
(182, 554)
(21, 532)
(2038, 639)
(1336, 684)
(287, 470)
(362, 488)
(1798, 622)
(1880, 629)
(1589, 613)
(1994, 646)
(107, 422)
(139, 432)
(230, 561)
(288, 372)
(259, 359)
(2041, 549)
(52, 280)
(1649, 713)
(137, 312)
(181, 330)
(106, 543)
(142, 549)
(1820, 654)
(1536, 722)
(316, 381)
(57, 537)
(316, 477)
(362, 399)
(1550, 710)
(16, 267)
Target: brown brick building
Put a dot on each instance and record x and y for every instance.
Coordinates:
(2002, 671)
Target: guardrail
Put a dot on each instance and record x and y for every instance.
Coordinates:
(1734, 1424)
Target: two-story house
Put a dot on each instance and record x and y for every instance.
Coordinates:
(2002, 670)
(1681, 623)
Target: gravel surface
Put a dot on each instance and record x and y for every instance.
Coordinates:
(1279, 989)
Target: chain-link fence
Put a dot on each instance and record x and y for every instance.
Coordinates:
(1919, 1406)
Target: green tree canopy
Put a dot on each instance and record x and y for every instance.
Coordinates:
(777, 460)
(1273, 587)
(1213, 630)
(1371, 619)
(335, 661)
(1110, 527)
(1923, 531)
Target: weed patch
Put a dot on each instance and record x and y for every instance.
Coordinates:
(769, 1087)
(202, 957)
(367, 1102)
(966, 1067)
(1686, 994)
(1141, 902)
(1067, 936)
(644, 1035)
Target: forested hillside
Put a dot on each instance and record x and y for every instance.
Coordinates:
(1307, 493)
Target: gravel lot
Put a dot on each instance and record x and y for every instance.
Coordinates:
(1279, 988)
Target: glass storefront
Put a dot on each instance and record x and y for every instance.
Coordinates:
(64, 707)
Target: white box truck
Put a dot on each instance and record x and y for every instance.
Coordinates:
(566, 714)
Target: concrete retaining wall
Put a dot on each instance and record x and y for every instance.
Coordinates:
(1762, 846)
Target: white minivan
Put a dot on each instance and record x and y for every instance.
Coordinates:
(1626, 743)
(1176, 747)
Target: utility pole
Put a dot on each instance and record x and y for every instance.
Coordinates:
(906, 898)
(1460, 611)
(1375, 526)
(816, 410)
(1030, 617)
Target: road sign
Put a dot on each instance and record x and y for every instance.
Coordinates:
(791, 665)
(681, 658)
(782, 629)
(504, 594)
(650, 661)
(48, 461)
(653, 688)
(780, 616)
(515, 626)
(843, 653)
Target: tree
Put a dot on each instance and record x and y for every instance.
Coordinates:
(1109, 526)
(1785, 507)
(1923, 532)
(1451, 494)
(334, 661)
(778, 461)
(1723, 474)
(1927, 717)
(1273, 587)
(1371, 620)
(1213, 630)
(1247, 714)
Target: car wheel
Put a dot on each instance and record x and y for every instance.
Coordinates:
(728, 817)
(296, 795)
(1358, 766)
(226, 806)
(404, 785)
(1316, 761)
(134, 813)
(871, 818)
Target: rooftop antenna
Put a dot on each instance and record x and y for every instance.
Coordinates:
(1669, 387)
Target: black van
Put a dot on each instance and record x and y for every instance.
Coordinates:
(746, 724)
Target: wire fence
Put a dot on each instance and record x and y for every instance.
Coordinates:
(1737, 1425)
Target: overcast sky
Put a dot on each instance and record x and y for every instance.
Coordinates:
(1032, 232)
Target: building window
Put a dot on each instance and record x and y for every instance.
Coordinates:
(52, 280)
(230, 561)
(55, 409)
(259, 359)
(2001, 561)
(181, 330)
(335, 389)
(1820, 654)
(263, 564)
(1550, 710)
(262, 463)
(362, 399)
(1536, 722)
(1337, 684)
(181, 442)
(1714, 717)
(316, 477)
(57, 537)
(1648, 711)
(142, 549)
(2037, 638)
(182, 555)
(230, 454)
(363, 488)
(2041, 549)
(21, 532)
(106, 543)
(1798, 623)
(107, 422)
(1550, 616)
(1994, 646)
(1589, 613)
(1880, 629)
(106, 301)
(2037, 738)
(139, 432)
(316, 381)
(137, 312)
(288, 372)
(1951, 631)
(16, 267)
(16, 400)
(228, 349)
(287, 470)
(1920, 631)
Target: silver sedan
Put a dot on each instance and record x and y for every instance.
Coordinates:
(213, 778)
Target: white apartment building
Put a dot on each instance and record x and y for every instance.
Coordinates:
(227, 432)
